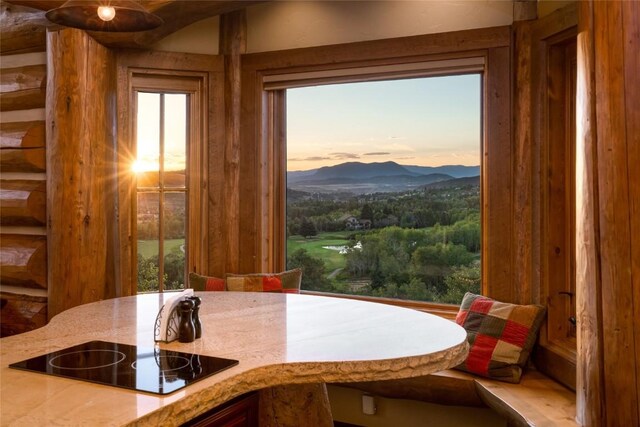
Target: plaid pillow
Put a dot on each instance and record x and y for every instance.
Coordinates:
(204, 283)
(500, 336)
(287, 282)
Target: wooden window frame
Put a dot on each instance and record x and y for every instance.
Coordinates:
(263, 121)
(163, 72)
(545, 144)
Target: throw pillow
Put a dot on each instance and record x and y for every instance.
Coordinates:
(500, 336)
(205, 283)
(286, 282)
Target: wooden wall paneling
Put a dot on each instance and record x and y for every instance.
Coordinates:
(23, 29)
(21, 313)
(215, 191)
(497, 186)
(523, 178)
(611, 70)
(22, 135)
(80, 198)
(127, 282)
(239, 206)
(23, 202)
(23, 88)
(23, 261)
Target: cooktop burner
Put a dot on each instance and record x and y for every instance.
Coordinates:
(149, 369)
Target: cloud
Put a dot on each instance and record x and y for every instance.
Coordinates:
(316, 159)
(377, 153)
(343, 156)
(308, 159)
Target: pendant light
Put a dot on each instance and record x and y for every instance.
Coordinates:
(104, 15)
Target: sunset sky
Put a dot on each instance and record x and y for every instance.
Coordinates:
(148, 132)
(428, 122)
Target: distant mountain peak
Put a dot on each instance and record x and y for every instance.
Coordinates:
(361, 170)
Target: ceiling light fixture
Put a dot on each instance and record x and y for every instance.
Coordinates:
(105, 15)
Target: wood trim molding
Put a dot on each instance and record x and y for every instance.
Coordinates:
(163, 69)
(492, 44)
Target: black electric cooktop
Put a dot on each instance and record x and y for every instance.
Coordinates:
(149, 369)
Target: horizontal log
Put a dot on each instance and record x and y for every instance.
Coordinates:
(23, 261)
(23, 29)
(21, 313)
(23, 88)
(23, 160)
(22, 134)
(23, 202)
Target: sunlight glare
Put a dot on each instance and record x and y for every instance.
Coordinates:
(139, 166)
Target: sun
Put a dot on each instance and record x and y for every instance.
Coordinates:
(139, 166)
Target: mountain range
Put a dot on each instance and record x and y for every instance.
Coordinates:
(357, 177)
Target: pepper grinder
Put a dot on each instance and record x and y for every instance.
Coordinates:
(196, 317)
(186, 330)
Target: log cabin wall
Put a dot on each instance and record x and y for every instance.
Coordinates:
(82, 190)
(608, 213)
(23, 239)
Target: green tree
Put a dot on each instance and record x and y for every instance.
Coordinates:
(174, 269)
(148, 271)
(463, 279)
(307, 228)
(367, 212)
(313, 269)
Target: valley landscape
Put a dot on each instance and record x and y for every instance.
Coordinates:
(387, 230)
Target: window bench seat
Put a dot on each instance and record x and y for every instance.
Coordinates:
(536, 401)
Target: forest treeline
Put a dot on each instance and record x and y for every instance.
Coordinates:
(423, 245)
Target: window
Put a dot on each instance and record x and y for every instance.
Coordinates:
(383, 186)
(165, 177)
(263, 142)
(161, 201)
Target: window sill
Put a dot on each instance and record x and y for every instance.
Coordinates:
(447, 311)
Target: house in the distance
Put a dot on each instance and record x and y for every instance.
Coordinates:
(352, 223)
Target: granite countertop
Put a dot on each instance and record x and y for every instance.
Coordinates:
(278, 339)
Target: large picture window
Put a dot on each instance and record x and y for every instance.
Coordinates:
(383, 187)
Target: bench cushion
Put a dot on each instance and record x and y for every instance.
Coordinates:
(500, 336)
(285, 282)
(201, 283)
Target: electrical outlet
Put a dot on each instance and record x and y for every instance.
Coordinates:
(368, 405)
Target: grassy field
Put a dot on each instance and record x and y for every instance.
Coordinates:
(314, 246)
(149, 248)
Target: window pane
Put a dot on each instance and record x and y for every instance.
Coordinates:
(383, 187)
(174, 243)
(175, 145)
(147, 163)
(148, 241)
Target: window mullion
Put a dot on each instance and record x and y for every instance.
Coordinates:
(161, 201)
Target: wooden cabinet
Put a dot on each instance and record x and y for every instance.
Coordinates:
(239, 412)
